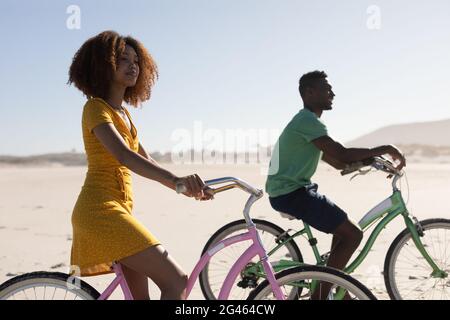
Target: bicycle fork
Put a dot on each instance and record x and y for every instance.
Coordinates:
(416, 230)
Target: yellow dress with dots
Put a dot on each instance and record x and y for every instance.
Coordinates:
(104, 229)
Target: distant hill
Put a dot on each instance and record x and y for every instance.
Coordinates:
(433, 133)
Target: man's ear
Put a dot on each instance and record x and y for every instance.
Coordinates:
(309, 91)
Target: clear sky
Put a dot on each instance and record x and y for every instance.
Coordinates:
(230, 64)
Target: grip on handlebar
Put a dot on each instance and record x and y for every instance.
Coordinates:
(379, 162)
(180, 188)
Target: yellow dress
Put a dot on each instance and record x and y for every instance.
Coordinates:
(104, 229)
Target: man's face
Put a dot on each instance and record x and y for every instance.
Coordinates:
(322, 94)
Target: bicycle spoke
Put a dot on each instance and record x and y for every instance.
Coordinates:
(25, 293)
(219, 274)
(445, 253)
(414, 289)
(412, 274)
(434, 251)
(440, 247)
(416, 264)
(420, 263)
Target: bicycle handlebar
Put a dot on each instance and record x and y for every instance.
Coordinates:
(235, 183)
(379, 163)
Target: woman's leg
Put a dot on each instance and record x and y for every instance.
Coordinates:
(156, 263)
(137, 282)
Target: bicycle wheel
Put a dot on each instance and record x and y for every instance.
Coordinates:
(407, 275)
(327, 283)
(215, 272)
(47, 286)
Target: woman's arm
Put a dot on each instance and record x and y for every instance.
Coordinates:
(142, 152)
(111, 139)
(147, 156)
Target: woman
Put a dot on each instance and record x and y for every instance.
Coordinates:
(110, 69)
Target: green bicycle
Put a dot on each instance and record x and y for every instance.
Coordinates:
(416, 265)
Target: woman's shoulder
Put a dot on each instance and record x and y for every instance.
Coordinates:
(95, 106)
(96, 111)
(96, 103)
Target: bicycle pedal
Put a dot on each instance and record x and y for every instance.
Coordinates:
(247, 284)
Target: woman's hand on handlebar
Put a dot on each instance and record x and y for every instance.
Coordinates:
(208, 194)
(195, 187)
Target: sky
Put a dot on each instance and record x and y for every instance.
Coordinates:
(227, 67)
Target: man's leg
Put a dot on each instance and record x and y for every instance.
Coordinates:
(322, 214)
(346, 239)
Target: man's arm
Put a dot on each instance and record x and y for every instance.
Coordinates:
(341, 155)
(333, 162)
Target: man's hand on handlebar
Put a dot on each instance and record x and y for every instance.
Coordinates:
(396, 155)
(378, 162)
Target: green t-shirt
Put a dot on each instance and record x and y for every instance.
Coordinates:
(295, 158)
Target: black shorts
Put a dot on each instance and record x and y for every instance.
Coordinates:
(311, 207)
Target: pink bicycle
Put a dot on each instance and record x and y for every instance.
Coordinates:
(60, 286)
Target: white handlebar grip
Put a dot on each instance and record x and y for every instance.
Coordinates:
(180, 188)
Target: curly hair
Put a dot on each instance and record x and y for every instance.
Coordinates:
(94, 64)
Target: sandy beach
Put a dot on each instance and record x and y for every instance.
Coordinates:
(36, 207)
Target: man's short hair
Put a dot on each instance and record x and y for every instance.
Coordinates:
(309, 80)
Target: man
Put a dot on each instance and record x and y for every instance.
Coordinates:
(295, 159)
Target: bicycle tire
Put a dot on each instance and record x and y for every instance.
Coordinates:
(240, 225)
(46, 280)
(393, 279)
(318, 273)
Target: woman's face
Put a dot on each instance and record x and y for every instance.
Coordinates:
(127, 67)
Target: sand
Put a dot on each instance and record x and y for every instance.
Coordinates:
(35, 212)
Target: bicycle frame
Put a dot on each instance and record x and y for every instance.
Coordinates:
(255, 249)
(118, 280)
(389, 209)
(385, 211)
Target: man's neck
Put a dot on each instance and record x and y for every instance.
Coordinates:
(317, 111)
